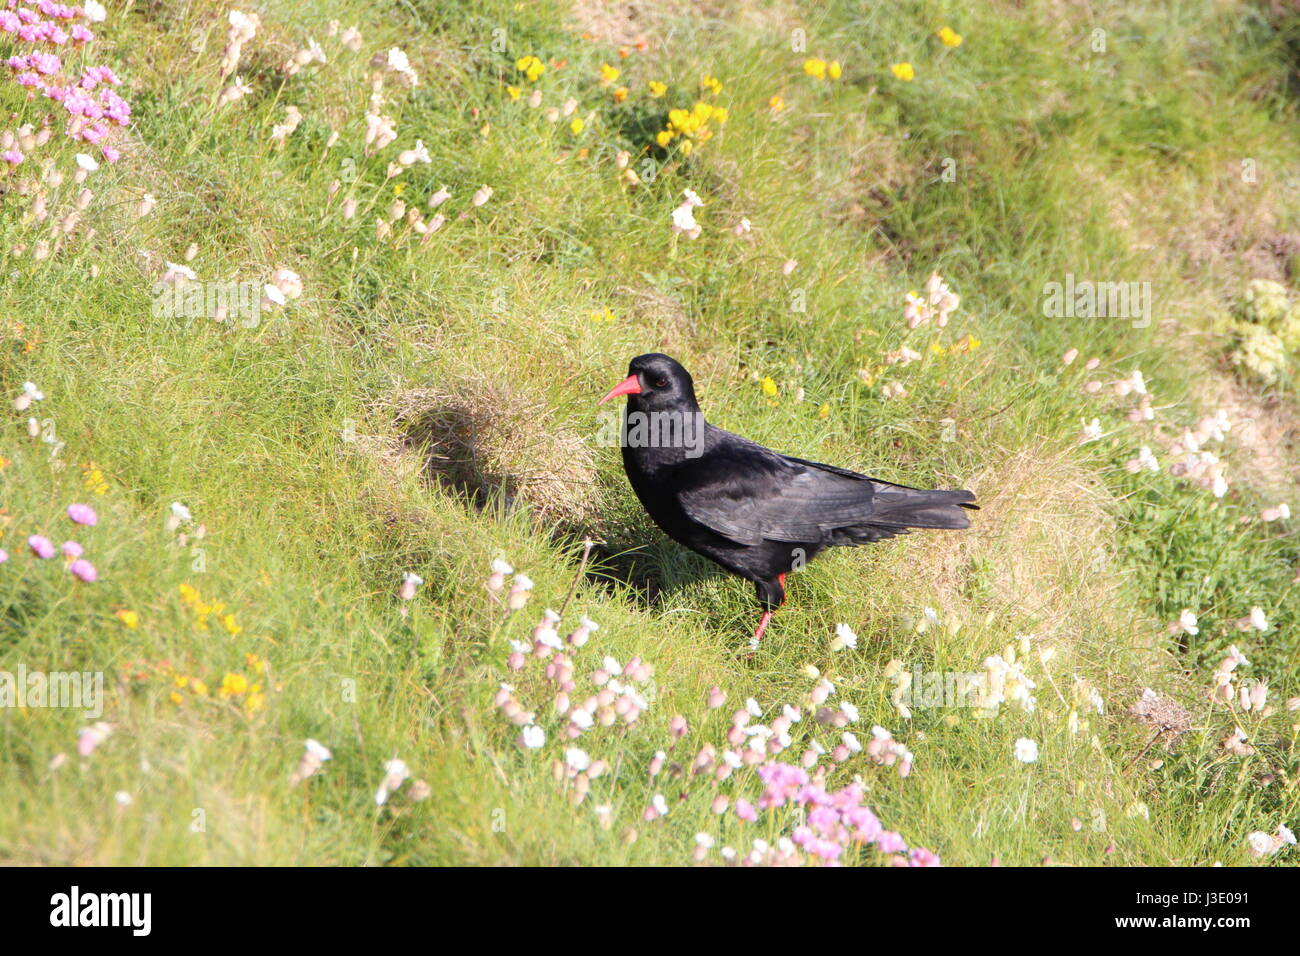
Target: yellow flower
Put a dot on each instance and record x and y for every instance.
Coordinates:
(815, 68)
(768, 386)
(255, 663)
(937, 349)
(189, 594)
(711, 83)
(903, 71)
(130, 618)
(530, 67)
(620, 94)
(576, 125)
(833, 69)
(949, 36)
(664, 137)
(514, 92)
(232, 685)
(602, 315)
(777, 103)
(228, 622)
(199, 687)
(399, 188)
(253, 703)
(824, 411)
(658, 89)
(180, 680)
(608, 74)
(176, 698)
(687, 147)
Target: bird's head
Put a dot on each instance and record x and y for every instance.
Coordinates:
(656, 383)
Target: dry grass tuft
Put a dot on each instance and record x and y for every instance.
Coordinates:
(485, 439)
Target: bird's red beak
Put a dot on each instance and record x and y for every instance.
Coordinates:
(629, 386)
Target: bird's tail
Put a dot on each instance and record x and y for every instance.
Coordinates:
(898, 508)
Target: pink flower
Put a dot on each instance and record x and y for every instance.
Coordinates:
(41, 546)
(83, 514)
(920, 856)
(84, 570)
(745, 811)
(72, 550)
(890, 842)
(12, 157)
(4, 555)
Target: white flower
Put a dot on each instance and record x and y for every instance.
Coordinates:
(533, 737)
(611, 666)
(1026, 750)
(1091, 431)
(274, 294)
(87, 162)
(318, 751)
(1257, 619)
(684, 221)
(481, 195)
(500, 567)
(1187, 622)
(849, 711)
(704, 840)
(751, 705)
(1261, 844)
(94, 11)
(577, 759)
(851, 741)
(660, 804)
(844, 638)
(395, 774)
(181, 512)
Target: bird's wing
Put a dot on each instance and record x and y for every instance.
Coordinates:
(748, 493)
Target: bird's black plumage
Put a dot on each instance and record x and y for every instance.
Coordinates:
(757, 513)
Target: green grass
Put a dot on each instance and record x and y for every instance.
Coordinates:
(302, 445)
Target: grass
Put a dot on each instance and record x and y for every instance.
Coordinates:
(426, 407)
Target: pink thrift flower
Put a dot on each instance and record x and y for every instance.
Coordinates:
(72, 550)
(4, 555)
(890, 842)
(83, 514)
(920, 856)
(12, 157)
(84, 570)
(41, 546)
(745, 811)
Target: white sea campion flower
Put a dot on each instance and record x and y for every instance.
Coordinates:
(419, 153)
(288, 282)
(1185, 624)
(1026, 750)
(1281, 512)
(684, 215)
(1091, 431)
(87, 162)
(409, 583)
(844, 638)
(532, 737)
(497, 579)
(519, 591)
(94, 11)
(481, 195)
(395, 774)
(314, 754)
(577, 759)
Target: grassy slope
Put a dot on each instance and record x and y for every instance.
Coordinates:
(282, 439)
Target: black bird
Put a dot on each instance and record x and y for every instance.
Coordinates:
(757, 513)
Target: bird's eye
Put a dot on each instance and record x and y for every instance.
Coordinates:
(661, 383)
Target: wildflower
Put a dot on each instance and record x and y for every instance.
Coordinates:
(519, 592)
(776, 103)
(395, 774)
(1091, 431)
(89, 738)
(711, 83)
(658, 89)
(684, 216)
(768, 385)
(1026, 750)
(41, 546)
(1281, 512)
(903, 71)
(288, 282)
(130, 619)
(532, 737)
(497, 579)
(576, 125)
(1185, 624)
(314, 754)
(949, 37)
(844, 638)
(608, 74)
(815, 68)
(482, 195)
(531, 67)
(409, 583)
